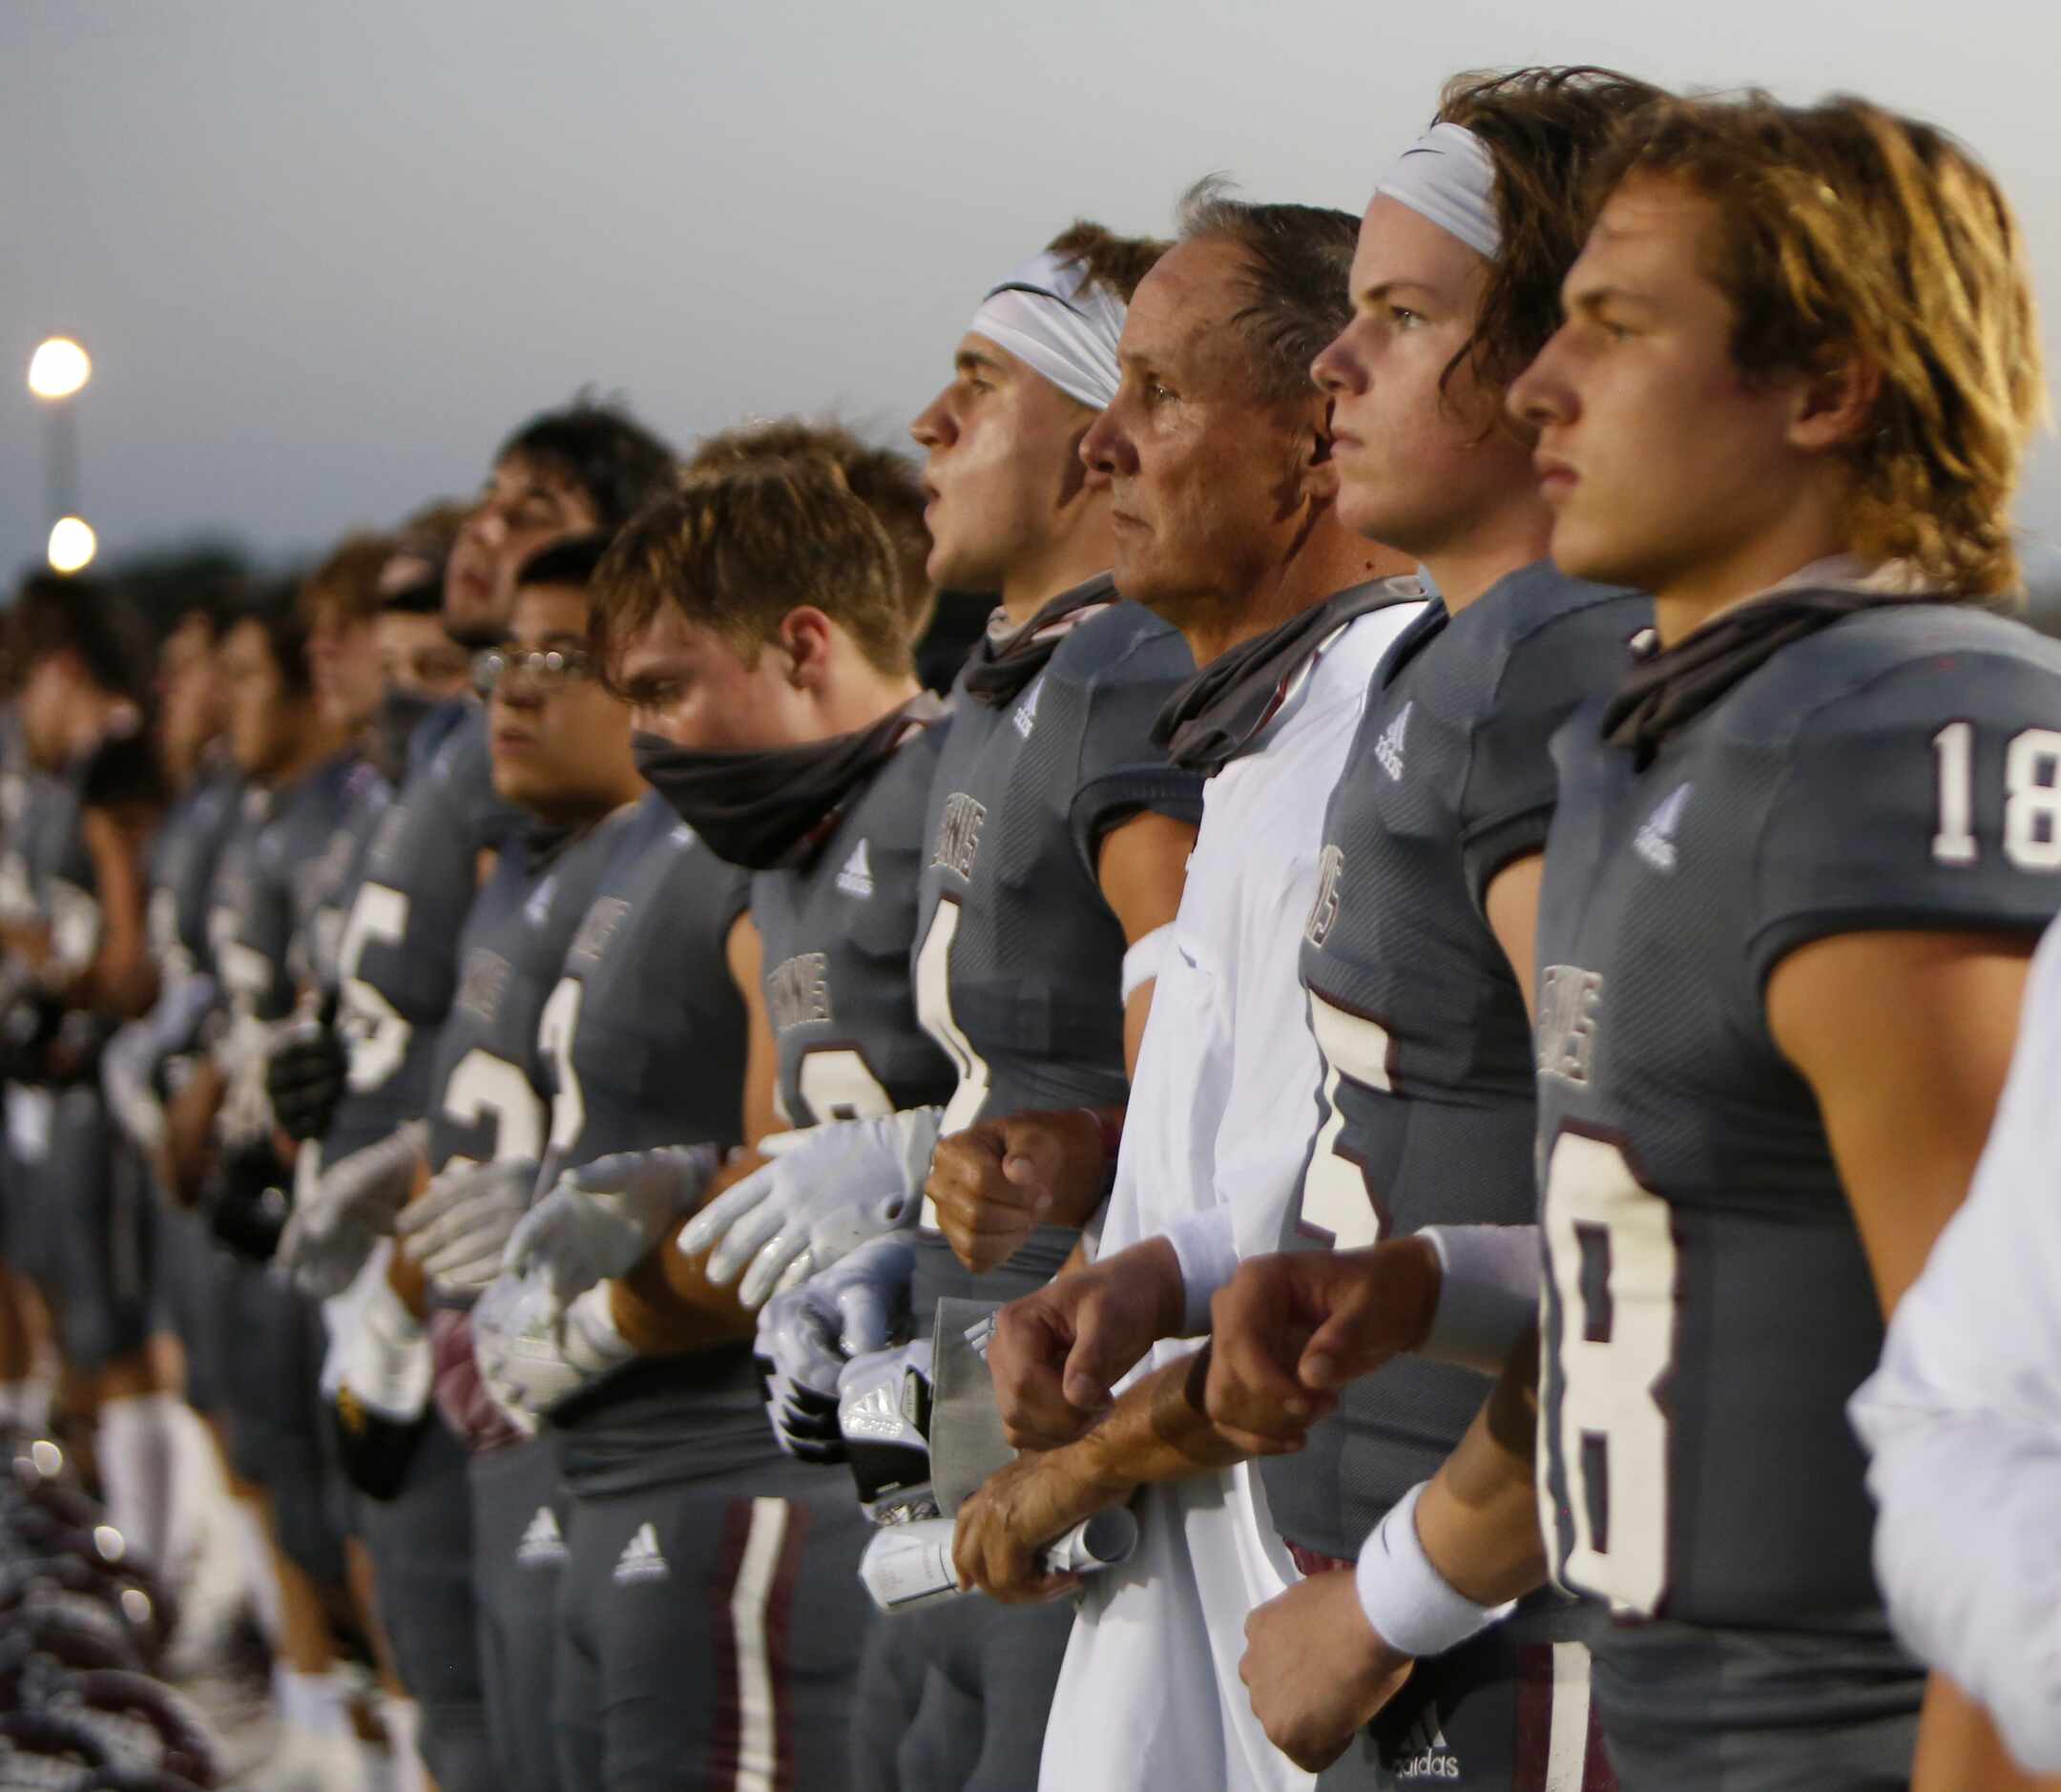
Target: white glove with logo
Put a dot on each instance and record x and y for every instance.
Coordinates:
(600, 1220)
(884, 1411)
(836, 1187)
(458, 1230)
(351, 1207)
(534, 1352)
(808, 1334)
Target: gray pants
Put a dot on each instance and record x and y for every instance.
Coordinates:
(94, 1209)
(519, 1513)
(422, 1560)
(272, 1372)
(1691, 1710)
(710, 1635)
(955, 1697)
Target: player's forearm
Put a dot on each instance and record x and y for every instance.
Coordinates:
(1479, 1520)
(667, 1304)
(1157, 1431)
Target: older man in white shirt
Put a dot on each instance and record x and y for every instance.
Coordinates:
(1224, 499)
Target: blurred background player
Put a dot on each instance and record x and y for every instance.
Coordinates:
(563, 472)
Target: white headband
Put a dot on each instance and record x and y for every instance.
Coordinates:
(1049, 317)
(1448, 177)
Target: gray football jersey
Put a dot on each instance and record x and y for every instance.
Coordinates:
(334, 878)
(837, 933)
(263, 898)
(397, 954)
(1018, 965)
(644, 994)
(1708, 1307)
(183, 862)
(643, 1044)
(1427, 1112)
(488, 1099)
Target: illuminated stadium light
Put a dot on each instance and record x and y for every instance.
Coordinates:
(58, 369)
(73, 545)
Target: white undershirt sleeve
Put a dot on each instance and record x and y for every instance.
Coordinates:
(1964, 1416)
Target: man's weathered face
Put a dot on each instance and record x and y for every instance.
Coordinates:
(1204, 469)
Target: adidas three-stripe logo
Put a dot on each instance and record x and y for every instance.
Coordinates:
(641, 1559)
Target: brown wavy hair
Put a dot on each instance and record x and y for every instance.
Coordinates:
(738, 547)
(1545, 129)
(886, 482)
(1847, 231)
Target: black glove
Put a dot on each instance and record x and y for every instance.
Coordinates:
(246, 1203)
(304, 1074)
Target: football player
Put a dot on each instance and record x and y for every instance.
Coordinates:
(756, 624)
(1217, 453)
(1794, 873)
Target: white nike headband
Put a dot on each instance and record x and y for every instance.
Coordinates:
(1448, 177)
(1049, 316)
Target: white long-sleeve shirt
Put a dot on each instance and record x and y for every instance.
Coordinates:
(1964, 1416)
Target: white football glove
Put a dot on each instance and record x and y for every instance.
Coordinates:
(458, 1230)
(884, 1411)
(125, 1079)
(534, 1353)
(808, 1334)
(351, 1207)
(835, 1188)
(384, 1357)
(600, 1220)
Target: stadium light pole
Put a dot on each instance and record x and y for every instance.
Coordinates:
(57, 373)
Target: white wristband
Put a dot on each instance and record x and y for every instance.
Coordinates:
(389, 1366)
(1411, 1606)
(1489, 1294)
(1141, 963)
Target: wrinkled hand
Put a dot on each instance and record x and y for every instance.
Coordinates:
(601, 1220)
(1056, 1354)
(1291, 1329)
(352, 1206)
(533, 1353)
(460, 1228)
(838, 1186)
(304, 1072)
(1316, 1670)
(995, 1181)
(1013, 1515)
(807, 1335)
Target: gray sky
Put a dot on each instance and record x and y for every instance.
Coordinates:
(325, 256)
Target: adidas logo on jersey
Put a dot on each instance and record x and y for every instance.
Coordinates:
(543, 1542)
(1026, 716)
(1428, 1754)
(1655, 842)
(641, 1559)
(855, 879)
(1388, 746)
